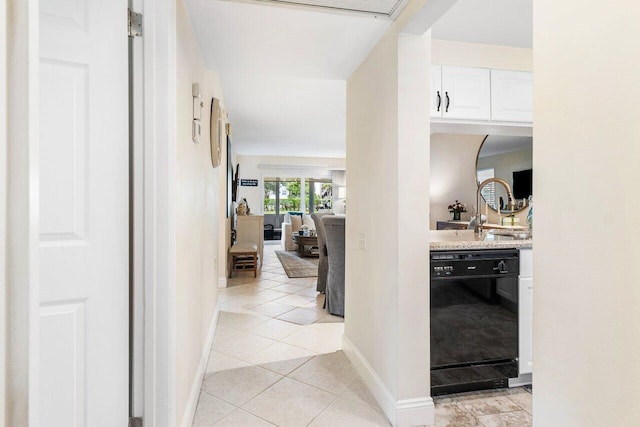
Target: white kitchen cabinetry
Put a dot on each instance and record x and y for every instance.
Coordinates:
(511, 96)
(525, 312)
(480, 94)
(466, 93)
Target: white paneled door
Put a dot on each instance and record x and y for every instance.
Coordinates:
(84, 218)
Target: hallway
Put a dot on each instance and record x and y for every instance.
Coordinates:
(276, 360)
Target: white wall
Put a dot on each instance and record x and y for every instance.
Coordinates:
(481, 55)
(453, 174)
(3, 212)
(586, 293)
(198, 213)
(259, 167)
(387, 285)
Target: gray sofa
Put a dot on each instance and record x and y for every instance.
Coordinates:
(334, 227)
(323, 263)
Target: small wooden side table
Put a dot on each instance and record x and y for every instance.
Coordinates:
(243, 257)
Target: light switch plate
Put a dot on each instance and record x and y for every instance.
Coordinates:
(362, 242)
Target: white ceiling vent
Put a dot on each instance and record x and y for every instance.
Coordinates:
(376, 7)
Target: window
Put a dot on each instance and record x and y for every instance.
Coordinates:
(270, 197)
(289, 200)
(282, 195)
(319, 192)
(489, 190)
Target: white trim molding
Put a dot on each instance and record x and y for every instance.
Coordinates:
(222, 282)
(192, 403)
(401, 413)
(159, 128)
(415, 412)
(3, 212)
(20, 98)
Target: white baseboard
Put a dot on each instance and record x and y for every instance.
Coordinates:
(192, 403)
(371, 379)
(415, 412)
(401, 413)
(222, 282)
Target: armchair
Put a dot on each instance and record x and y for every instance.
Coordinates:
(286, 238)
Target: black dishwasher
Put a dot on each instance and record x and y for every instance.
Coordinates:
(474, 319)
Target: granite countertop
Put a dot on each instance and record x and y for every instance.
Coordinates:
(467, 239)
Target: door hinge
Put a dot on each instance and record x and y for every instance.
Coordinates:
(134, 23)
(135, 422)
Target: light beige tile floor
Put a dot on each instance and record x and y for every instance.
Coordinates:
(277, 360)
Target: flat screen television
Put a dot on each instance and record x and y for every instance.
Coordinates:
(522, 184)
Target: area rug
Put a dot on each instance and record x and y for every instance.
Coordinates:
(297, 267)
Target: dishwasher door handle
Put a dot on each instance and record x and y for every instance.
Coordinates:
(502, 268)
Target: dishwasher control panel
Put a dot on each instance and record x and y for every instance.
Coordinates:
(474, 263)
(442, 270)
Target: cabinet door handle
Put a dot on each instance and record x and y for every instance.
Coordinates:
(446, 110)
(439, 100)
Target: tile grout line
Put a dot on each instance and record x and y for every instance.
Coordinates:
(202, 390)
(244, 403)
(337, 396)
(249, 297)
(244, 410)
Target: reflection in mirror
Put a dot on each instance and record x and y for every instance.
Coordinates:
(509, 158)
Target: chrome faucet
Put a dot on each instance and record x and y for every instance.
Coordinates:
(478, 225)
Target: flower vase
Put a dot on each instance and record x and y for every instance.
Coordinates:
(456, 216)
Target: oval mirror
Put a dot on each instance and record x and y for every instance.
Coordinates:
(509, 158)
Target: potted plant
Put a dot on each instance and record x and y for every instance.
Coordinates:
(456, 209)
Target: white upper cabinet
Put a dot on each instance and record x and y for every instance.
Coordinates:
(481, 94)
(466, 93)
(511, 96)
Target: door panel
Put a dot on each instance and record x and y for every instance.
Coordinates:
(511, 96)
(467, 93)
(84, 218)
(63, 199)
(62, 364)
